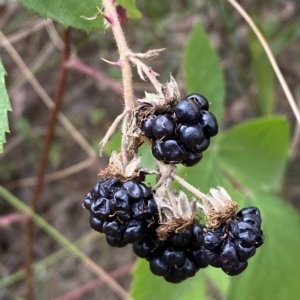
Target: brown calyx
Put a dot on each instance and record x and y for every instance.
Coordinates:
(114, 171)
(214, 218)
(177, 225)
(145, 112)
(142, 113)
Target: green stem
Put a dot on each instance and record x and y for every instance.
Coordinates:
(46, 262)
(51, 231)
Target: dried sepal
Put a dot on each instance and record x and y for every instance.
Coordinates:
(171, 92)
(161, 102)
(168, 95)
(174, 225)
(117, 170)
(176, 212)
(149, 54)
(218, 207)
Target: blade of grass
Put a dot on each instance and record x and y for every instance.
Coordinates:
(48, 261)
(58, 237)
(270, 55)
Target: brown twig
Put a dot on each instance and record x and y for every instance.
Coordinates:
(81, 291)
(43, 164)
(76, 135)
(76, 64)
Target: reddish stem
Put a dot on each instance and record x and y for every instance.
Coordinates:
(77, 65)
(43, 164)
(7, 220)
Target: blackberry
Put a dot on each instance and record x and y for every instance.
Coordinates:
(101, 209)
(169, 151)
(96, 224)
(147, 127)
(173, 151)
(201, 147)
(201, 100)
(192, 159)
(177, 257)
(199, 259)
(233, 243)
(209, 123)
(115, 242)
(158, 266)
(124, 212)
(143, 248)
(182, 131)
(191, 136)
(212, 258)
(173, 257)
(113, 228)
(231, 264)
(181, 239)
(187, 269)
(243, 252)
(187, 111)
(163, 127)
(134, 231)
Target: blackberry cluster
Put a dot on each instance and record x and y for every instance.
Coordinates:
(124, 211)
(182, 134)
(232, 244)
(176, 258)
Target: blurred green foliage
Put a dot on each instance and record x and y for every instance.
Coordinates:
(4, 108)
(251, 156)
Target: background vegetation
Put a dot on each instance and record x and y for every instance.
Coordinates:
(209, 49)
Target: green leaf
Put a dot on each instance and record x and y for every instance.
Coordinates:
(68, 12)
(202, 71)
(113, 144)
(273, 273)
(255, 153)
(264, 77)
(288, 34)
(146, 286)
(4, 108)
(131, 9)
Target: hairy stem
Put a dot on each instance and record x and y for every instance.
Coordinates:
(188, 186)
(126, 56)
(124, 141)
(110, 10)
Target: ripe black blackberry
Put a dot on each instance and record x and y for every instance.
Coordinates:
(233, 243)
(124, 211)
(176, 258)
(181, 132)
